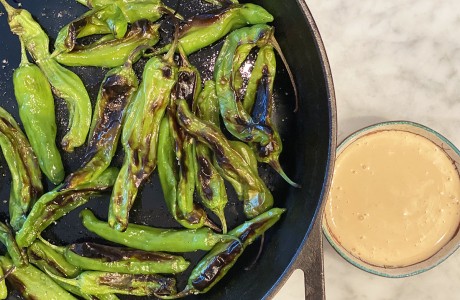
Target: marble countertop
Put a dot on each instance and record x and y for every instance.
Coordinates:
(390, 60)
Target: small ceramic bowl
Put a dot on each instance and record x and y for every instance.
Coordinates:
(452, 152)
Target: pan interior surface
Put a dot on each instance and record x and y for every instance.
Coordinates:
(307, 136)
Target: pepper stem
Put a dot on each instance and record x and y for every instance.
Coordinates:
(275, 164)
(58, 249)
(170, 55)
(69, 281)
(83, 2)
(220, 214)
(24, 59)
(9, 9)
(8, 273)
(186, 292)
(277, 47)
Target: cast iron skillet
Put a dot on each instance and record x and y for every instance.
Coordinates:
(309, 145)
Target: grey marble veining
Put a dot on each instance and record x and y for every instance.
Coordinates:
(391, 60)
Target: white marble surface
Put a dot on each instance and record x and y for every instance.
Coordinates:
(391, 60)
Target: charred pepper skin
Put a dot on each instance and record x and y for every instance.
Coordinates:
(114, 52)
(100, 283)
(26, 184)
(255, 194)
(210, 185)
(217, 262)
(18, 256)
(140, 136)
(204, 30)
(32, 283)
(115, 94)
(36, 110)
(154, 239)
(55, 204)
(97, 257)
(102, 20)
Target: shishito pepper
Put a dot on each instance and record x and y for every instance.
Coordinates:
(32, 283)
(99, 283)
(209, 184)
(3, 288)
(26, 184)
(204, 30)
(115, 52)
(154, 239)
(97, 257)
(255, 194)
(36, 110)
(115, 94)
(55, 204)
(217, 262)
(102, 20)
(140, 135)
(18, 257)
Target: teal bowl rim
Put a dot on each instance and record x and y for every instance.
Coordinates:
(424, 265)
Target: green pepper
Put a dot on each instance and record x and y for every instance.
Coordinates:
(99, 283)
(217, 262)
(204, 30)
(29, 31)
(140, 135)
(256, 196)
(101, 20)
(209, 184)
(154, 239)
(60, 201)
(18, 257)
(240, 57)
(26, 184)
(32, 283)
(115, 94)
(36, 109)
(68, 86)
(113, 53)
(3, 288)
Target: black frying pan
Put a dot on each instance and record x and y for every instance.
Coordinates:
(309, 146)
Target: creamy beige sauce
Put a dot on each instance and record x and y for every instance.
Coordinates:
(394, 199)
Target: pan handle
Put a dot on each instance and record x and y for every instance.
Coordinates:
(310, 261)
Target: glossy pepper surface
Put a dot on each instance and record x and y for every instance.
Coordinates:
(36, 110)
(204, 30)
(102, 20)
(55, 204)
(32, 283)
(217, 262)
(154, 239)
(140, 136)
(115, 94)
(255, 194)
(115, 52)
(26, 184)
(18, 256)
(3, 288)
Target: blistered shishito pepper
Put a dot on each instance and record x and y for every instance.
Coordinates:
(256, 196)
(57, 203)
(204, 30)
(29, 31)
(3, 288)
(217, 262)
(239, 58)
(18, 256)
(140, 135)
(68, 86)
(36, 109)
(26, 184)
(97, 282)
(169, 179)
(154, 239)
(209, 184)
(101, 20)
(115, 94)
(32, 283)
(113, 53)
(97, 257)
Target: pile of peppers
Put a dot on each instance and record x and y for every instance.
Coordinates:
(167, 119)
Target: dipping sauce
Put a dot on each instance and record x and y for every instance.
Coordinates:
(394, 199)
